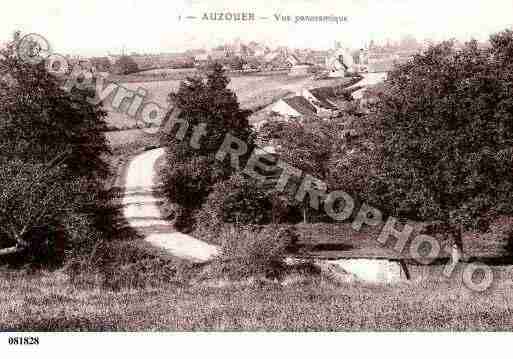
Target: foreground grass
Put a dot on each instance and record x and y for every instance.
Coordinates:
(48, 301)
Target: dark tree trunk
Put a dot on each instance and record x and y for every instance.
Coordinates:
(457, 243)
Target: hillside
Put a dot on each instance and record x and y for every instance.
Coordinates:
(253, 92)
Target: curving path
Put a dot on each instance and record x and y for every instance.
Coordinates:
(141, 209)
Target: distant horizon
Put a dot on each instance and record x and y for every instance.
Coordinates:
(382, 43)
(152, 27)
(273, 48)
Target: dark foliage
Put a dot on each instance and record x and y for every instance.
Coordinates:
(191, 173)
(125, 65)
(51, 164)
(446, 124)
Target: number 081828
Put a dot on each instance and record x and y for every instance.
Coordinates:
(23, 340)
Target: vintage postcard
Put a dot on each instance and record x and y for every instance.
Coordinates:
(241, 166)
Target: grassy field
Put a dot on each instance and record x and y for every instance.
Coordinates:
(181, 74)
(253, 92)
(50, 302)
(153, 75)
(121, 139)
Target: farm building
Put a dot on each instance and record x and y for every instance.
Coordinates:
(325, 106)
(339, 97)
(292, 60)
(280, 60)
(211, 56)
(294, 107)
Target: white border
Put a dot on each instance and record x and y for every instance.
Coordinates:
(258, 345)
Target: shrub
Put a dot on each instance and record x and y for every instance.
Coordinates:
(239, 200)
(120, 265)
(254, 251)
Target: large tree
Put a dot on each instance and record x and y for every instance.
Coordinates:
(446, 125)
(309, 145)
(52, 154)
(191, 172)
(40, 120)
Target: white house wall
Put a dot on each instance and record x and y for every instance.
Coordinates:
(285, 109)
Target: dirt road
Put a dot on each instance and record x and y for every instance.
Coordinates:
(141, 210)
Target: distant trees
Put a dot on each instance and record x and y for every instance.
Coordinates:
(52, 156)
(445, 121)
(125, 65)
(190, 172)
(409, 42)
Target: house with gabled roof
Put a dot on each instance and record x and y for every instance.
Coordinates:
(280, 60)
(325, 106)
(294, 107)
(292, 60)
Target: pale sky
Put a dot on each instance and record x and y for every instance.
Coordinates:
(96, 27)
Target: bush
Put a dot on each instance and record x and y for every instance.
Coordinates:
(254, 251)
(128, 264)
(239, 200)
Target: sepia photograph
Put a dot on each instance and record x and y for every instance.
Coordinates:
(264, 167)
